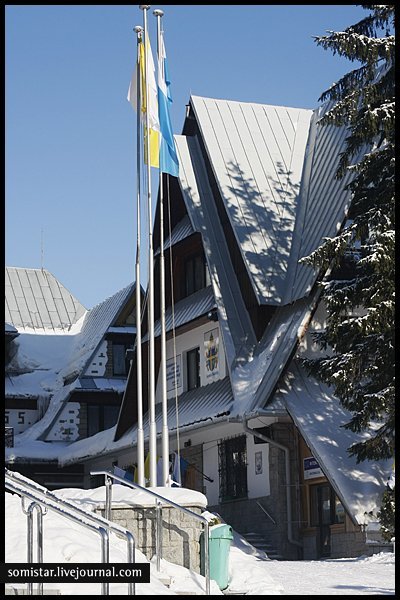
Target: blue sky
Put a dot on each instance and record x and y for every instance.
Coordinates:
(70, 132)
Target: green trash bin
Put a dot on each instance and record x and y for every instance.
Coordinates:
(220, 538)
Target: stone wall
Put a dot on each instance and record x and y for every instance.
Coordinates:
(180, 532)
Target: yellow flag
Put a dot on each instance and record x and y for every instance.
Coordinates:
(154, 123)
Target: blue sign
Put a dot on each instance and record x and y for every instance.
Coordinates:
(311, 468)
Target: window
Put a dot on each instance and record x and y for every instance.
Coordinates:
(325, 506)
(193, 368)
(196, 275)
(120, 363)
(101, 417)
(232, 467)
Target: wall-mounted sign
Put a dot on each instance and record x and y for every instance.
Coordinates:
(174, 372)
(211, 353)
(312, 468)
(258, 463)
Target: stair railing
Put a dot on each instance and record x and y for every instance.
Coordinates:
(52, 505)
(159, 501)
(265, 511)
(40, 511)
(24, 484)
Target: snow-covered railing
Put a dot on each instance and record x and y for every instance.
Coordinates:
(159, 501)
(43, 497)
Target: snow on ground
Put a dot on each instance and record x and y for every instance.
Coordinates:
(251, 572)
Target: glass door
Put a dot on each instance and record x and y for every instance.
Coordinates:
(321, 517)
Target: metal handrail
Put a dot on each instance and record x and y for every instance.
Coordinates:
(108, 481)
(266, 512)
(52, 505)
(113, 527)
(39, 539)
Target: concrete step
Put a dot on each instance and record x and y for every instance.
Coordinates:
(260, 541)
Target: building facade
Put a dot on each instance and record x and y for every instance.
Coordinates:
(256, 193)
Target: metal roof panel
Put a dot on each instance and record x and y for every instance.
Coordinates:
(257, 154)
(275, 169)
(36, 300)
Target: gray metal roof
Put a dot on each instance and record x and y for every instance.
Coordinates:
(197, 408)
(275, 171)
(181, 231)
(236, 327)
(79, 350)
(34, 299)
(319, 417)
(186, 310)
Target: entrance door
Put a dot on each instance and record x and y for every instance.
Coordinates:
(321, 517)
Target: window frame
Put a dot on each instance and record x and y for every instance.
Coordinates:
(196, 274)
(189, 379)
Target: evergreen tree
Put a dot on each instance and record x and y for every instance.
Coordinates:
(386, 515)
(359, 294)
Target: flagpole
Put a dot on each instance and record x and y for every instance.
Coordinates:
(152, 421)
(163, 370)
(140, 434)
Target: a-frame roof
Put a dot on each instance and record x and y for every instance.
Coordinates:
(275, 171)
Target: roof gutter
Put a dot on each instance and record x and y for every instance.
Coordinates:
(287, 477)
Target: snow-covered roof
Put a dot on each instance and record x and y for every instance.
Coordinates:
(36, 301)
(319, 417)
(101, 384)
(124, 330)
(10, 329)
(198, 408)
(52, 364)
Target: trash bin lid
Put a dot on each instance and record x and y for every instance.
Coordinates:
(221, 531)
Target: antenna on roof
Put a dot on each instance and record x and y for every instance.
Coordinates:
(41, 249)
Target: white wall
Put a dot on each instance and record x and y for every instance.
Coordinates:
(98, 365)
(66, 427)
(185, 342)
(258, 484)
(20, 418)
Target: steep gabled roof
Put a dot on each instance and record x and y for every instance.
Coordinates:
(320, 417)
(254, 367)
(58, 375)
(275, 171)
(35, 300)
